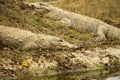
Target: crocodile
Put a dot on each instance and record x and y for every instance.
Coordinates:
(82, 23)
(26, 40)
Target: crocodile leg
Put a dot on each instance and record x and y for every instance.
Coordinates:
(30, 45)
(100, 33)
(65, 22)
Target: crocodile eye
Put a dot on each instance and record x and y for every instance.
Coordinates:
(32, 6)
(40, 4)
(60, 40)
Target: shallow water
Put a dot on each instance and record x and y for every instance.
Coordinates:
(106, 74)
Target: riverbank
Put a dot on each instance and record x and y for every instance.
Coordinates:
(47, 62)
(28, 63)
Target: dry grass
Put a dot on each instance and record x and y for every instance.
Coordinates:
(101, 9)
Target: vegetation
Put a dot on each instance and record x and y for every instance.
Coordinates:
(15, 13)
(101, 9)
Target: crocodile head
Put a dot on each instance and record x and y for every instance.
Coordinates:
(50, 11)
(42, 5)
(53, 42)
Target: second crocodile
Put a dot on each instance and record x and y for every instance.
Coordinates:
(101, 30)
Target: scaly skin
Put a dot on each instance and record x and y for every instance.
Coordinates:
(79, 22)
(26, 40)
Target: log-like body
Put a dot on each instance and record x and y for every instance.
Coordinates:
(80, 22)
(26, 40)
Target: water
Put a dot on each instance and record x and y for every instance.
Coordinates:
(105, 74)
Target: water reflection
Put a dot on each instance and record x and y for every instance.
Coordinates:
(113, 78)
(107, 74)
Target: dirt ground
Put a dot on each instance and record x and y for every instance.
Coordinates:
(14, 13)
